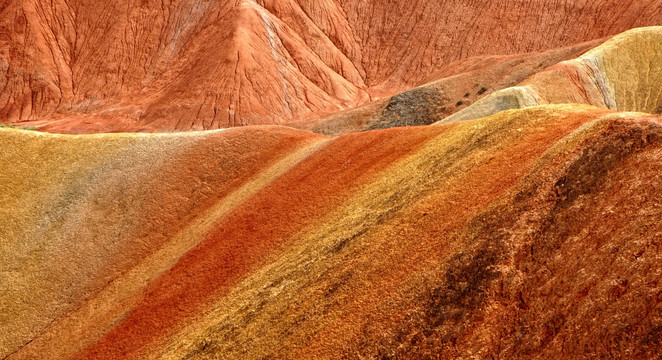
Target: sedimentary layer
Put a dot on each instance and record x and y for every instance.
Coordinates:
(451, 89)
(621, 74)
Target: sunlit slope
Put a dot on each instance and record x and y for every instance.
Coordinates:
(528, 234)
(632, 67)
(622, 74)
(80, 211)
(532, 233)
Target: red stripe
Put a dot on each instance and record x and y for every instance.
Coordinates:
(257, 228)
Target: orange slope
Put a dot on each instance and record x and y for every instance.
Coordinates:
(254, 230)
(497, 230)
(101, 205)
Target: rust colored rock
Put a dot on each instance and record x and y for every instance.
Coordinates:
(89, 66)
(482, 196)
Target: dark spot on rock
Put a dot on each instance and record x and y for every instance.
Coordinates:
(586, 175)
(591, 167)
(620, 289)
(419, 106)
(553, 327)
(466, 281)
(340, 245)
(653, 337)
(521, 303)
(333, 288)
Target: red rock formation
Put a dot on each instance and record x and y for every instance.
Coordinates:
(90, 66)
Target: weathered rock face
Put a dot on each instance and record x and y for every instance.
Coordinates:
(621, 74)
(172, 65)
(532, 233)
(90, 66)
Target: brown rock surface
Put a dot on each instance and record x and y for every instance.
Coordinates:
(90, 66)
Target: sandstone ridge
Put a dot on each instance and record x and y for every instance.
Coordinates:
(622, 74)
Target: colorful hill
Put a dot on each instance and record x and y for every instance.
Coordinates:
(611, 75)
(452, 89)
(532, 233)
(622, 74)
(81, 66)
(333, 179)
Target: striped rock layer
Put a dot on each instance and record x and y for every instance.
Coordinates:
(532, 233)
(453, 89)
(621, 74)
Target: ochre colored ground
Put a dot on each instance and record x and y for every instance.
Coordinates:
(525, 234)
(255, 229)
(115, 195)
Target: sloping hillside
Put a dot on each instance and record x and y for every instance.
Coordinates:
(377, 179)
(452, 89)
(532, 233)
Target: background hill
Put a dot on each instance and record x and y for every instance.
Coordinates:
(157, 65)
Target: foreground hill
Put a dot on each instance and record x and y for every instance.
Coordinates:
(153, 65)
(532, 233)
